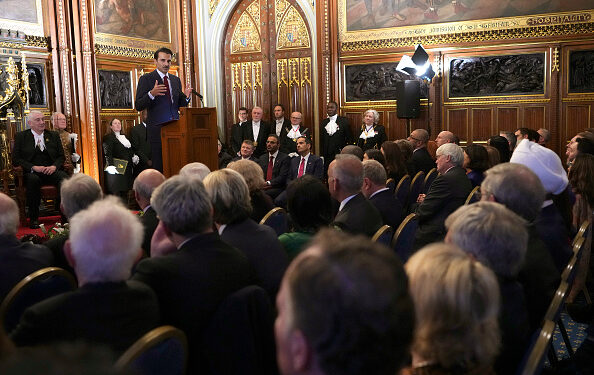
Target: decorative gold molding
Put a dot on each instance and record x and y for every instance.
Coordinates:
(582, 98)
(104, 49)
(555, 64)
(490, 102)
(292, 32)
(212, 6)
(469, 37)
(37, 41)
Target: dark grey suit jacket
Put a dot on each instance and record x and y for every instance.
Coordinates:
(314, 167)
(389, 207)
(359, 216)
(280, 170)
(422, 160)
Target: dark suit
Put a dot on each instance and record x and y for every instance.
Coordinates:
(448, 192)
(248, 133)
(191, 282)
(18, 260)
(113, 148)
(389, 207)
(358, 216)
(161, 109)
(314, 167)
(149, 222)
(333, 144)
(56, 246)
(236, 138)
(115, 314)
(375, 141)
(142, 147)
(283, 131)
(252, 158)
(263, 251)
(280, 171)
(27, 155)
(224, 159)
(288, 145)
(422, 160)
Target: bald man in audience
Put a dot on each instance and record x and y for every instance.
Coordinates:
(374, 188)
(106, 309)
(328, 320)
(192, 281)
(78, 192)
(421, 158)
(356, 214)
(497, 237)
(144, 185)
(17, 259)
(195, 169)
(445, 137)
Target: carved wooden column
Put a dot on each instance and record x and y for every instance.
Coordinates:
(555, 104)
(435, 101)
(186, 50)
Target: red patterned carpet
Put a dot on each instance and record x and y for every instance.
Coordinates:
(48, 221)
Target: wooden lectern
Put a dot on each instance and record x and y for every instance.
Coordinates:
(191, 138)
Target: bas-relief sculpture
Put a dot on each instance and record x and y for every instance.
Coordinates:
(144, 19)
(375, 82)
(36, 85)
(115, 89)
(497, 75)
(581, 71)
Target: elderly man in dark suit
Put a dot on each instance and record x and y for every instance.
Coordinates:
(275, 165)
(421, 158)
(192, 281)
(140, 143)
(17, 259)
(144, 185)
(335, 132)
(41, 155)
(257, 131)
(161, 94)
(288, 143)
(106, 309)
(374, 188)
(448, 192)
(355, 214)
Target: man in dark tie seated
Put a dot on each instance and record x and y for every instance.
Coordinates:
(106, 308)
(275, 165)
(328, 321)
(247, 151)
(374, 188)
(140, 143)
(144, 185)
(421, 158)
(17, 259)
(192, 281)
(355, 214)
(41, 155)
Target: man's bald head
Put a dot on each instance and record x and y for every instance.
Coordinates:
(144, 185)
(444, 137)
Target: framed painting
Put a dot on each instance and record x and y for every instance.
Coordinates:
(115, 89)
(365, 20)
(22, 15)
(132, 25)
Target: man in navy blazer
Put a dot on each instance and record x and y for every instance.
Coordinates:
(161, 94)
(275, 174)
(375, 190)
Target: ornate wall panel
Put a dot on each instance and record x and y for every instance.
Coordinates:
(577, 118)
(481, 124)
(457, 122)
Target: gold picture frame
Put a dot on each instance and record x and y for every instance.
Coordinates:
(22, 15)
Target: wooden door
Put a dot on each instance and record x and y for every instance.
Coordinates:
(268, 60)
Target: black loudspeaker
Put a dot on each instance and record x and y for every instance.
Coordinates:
(408, 98)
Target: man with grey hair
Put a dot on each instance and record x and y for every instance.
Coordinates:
(497, 237)
(448, 192)
(374, 188)
(257, 131)
(41, 155)
(194, 169)
(192, 281)
(520, 190)
(144, 185)
(355, 214)
(106, 309)
(421, 158)
(17, 259)
(78, 192)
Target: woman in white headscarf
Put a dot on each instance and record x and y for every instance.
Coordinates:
(119, 159)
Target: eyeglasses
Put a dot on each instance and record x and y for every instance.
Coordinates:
(413, 138)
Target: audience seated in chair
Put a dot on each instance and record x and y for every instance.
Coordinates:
(497, 238)
(17, 259)
(374, 188)
(252, 174)
(40, 154)
(456, 302)
(310, 209)
(356, 214)
(106, 308)
(421, 158)
(144, 185)
(192, 281)
(78, 192)
(230, 198)
(328, 321)
(195, 170)
(275, 165)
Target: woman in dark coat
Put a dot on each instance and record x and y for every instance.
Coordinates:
(117, 146)
(372, 135)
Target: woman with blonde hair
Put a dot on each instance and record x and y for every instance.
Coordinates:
(372, 134)
(456, 301)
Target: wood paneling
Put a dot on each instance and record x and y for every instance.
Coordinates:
(578, 117)
(457, 122)
(482, 124)
(508, 118)
(535, 117)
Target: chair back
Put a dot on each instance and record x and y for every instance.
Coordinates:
(404, 238)
(240, 337)
(416, 186)
(570, 270)
(557, 304)
(384, 235)
(402, 190)
(391, 184)
(582, 232)
(276, 219)
(161, 351)
(473, 196)
(535, 356)
(431, 175)
(38, 286)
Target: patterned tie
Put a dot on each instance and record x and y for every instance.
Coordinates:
(301, 168)
(166, 83)
(40, 145)
(269, 170)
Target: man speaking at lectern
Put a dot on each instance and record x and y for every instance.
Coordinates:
(161, 94)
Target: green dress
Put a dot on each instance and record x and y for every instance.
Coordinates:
(294, 242)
